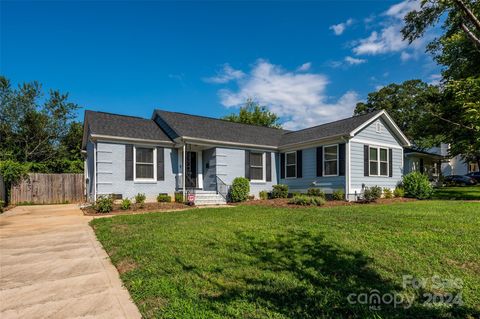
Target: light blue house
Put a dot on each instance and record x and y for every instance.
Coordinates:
(176, 152)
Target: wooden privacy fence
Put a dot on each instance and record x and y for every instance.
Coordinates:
(3, 191)
(49, 189)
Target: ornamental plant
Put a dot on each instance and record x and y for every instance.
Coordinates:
(239, 190)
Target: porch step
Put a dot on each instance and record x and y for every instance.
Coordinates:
(208, 198)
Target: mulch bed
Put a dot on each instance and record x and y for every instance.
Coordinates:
(283, 202)
(134, 209)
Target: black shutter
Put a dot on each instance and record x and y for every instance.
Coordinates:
(320, 161)
(247, 164)
(282, 165)
(268, 166)
(422, 168)
(365, 160)
(160, 164)
(129, 162)
(390, 162)
(299, 164)
(341, 159)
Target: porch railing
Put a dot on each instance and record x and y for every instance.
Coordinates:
(222, 187)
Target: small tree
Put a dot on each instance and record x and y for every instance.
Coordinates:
(253, 113)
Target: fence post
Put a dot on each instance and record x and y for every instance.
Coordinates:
(3, 192)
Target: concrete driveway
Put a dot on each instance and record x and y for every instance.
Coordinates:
(52, 266)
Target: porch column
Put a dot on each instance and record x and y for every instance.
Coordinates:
(183, 170)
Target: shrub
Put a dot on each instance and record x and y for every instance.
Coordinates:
(263, 195)
(305, 200)
(280, 191)
(179, 198)
(104, 204)
(140, 199)
(126, 204)
(371, 194)
(2, 205)
(399, 192)
(164, 198)
(387, 193)
(417, 185)
(315, 192)
(339, 194)
(239, 190)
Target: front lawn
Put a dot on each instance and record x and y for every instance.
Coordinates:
(458, 192)
(263, 262)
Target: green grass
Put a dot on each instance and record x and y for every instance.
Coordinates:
(258, 262)
(458, 192)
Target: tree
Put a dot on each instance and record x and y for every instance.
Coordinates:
(410, 105)
(253, 113)
(33, 128)
(458, 49)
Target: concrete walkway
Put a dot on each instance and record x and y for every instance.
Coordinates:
(52, 266)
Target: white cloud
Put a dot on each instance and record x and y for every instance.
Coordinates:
(405, 56)
(227, 74)
(435, 79)
(338, 29)
(305, 67)
(389, 38)
(354, 61)
(299, 98)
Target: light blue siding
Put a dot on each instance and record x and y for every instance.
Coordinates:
(309, 176)
(209, 171)
(384, 136)
(111, 173)
(91, 169)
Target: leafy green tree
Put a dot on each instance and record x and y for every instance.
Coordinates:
(253, 113)
(409, 104)
(71, 143)
(458, 48)
(33, 126)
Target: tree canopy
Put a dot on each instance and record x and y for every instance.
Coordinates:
(39, 129)
(253, 113)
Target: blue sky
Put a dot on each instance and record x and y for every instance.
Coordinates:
(308, 61)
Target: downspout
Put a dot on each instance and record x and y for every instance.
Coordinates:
(183, 170)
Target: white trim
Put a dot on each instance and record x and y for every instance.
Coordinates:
(94, 171)
(154, 178)
(312, 143)
(396, 128)
(348, 171)
(323, 161)
(199, 170)
(285, 168)
(130, 139)
(379, 174)
(375, 143)
(264, 170)
(207, 142)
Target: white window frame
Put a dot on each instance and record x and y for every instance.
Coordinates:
(378, 148)
(285, 168)
(264, 178)
(323, 163)
(135, 179)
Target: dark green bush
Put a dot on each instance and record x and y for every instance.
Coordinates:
(417, 185)
(305, 200)
(2, 205)
(263, 195)
(387, 192)
(399, 192)
(239, 190)
(140, 200)
(280, 191)
(164, 198)
(371, 194)
(126, 204)
(104, 204)
(339, 194)
(315, 192)
(179, 198)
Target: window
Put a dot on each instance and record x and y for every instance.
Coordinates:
(144, 163)
(256, 166)
(330, 160)
(291, 164)
(378, 161)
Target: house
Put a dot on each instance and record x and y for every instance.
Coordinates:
(177, 152)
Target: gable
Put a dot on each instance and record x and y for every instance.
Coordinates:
(378, 131)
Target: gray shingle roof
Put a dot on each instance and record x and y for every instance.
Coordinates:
(221, 130)
(124, 126)
(340, 127)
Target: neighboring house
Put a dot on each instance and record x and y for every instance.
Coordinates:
(176, 152)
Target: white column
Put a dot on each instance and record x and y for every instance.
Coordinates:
(200, 169)
(183, 171)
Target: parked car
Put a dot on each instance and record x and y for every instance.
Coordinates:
(475, 176)
(459, 180)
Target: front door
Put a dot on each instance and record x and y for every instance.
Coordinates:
(191, 170)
